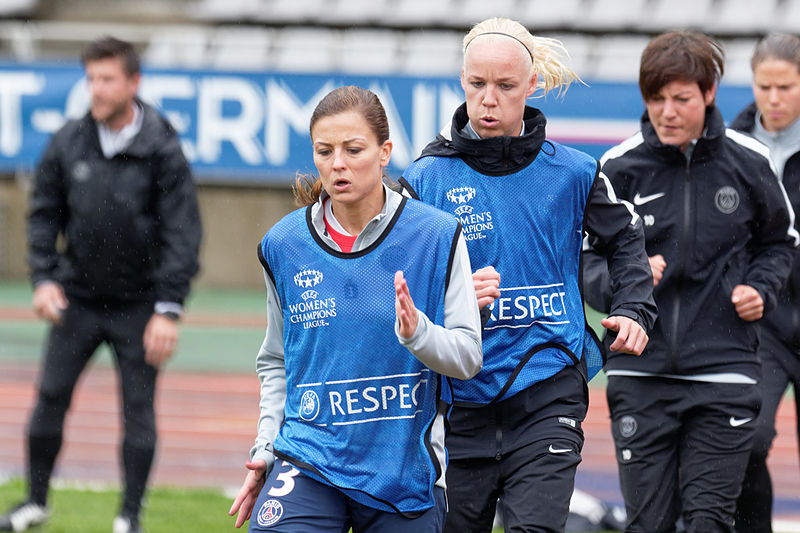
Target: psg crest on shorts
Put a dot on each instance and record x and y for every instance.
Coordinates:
(270, 513)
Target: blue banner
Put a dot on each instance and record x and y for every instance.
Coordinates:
(253, 127)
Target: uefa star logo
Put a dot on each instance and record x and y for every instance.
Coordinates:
(461, 195)
(308, 278)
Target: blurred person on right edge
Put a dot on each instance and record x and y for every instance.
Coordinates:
(719, 233)
(525, 203)
(773, 120)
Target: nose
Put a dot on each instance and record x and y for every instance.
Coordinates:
(489, 96)
(669, 108)
(94, 87)
(773, 95)
(338, 159)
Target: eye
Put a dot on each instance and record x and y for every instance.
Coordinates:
(477, 84)
(323, 151)
(506, 86)
(354, 150)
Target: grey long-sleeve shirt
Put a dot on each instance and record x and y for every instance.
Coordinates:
(453, 350)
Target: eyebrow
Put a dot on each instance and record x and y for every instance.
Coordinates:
(346, 141)
(499, 80)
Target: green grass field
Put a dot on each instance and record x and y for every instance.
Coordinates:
(168, 510)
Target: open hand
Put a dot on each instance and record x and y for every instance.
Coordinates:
(248, 494)
(404, 306)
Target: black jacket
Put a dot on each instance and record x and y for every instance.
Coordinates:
(719, 220)
(130, 224)
(498, 428)
(784, 321)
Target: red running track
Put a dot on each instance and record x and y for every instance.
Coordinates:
(207, 423)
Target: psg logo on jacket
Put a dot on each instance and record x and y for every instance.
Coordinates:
(726, 200)
(474, 222)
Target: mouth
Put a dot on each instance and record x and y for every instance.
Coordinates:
(341, 184)
(489, 122)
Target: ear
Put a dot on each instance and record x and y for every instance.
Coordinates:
(463, 80)
(532, 85)
(386, 152)
(134, 81)
(709, 95)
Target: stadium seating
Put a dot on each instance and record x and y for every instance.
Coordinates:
(16, 7)
(742, 16)
(616, 58)
(788, 17)
(604, 37)
(431, 53)
(356, 12)
(306, 49)
(238, 48)
(665, 15)
(539, 15)
(605, 15)
(737, 60)
(420, 13)
(469, 12)
(368, 51)
(177, 46)
(290, 11)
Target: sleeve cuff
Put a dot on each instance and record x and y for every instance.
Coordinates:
(422, 328)
(167, 308)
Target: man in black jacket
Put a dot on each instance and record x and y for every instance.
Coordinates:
(774, 119)
(720, 239)
(116, 188)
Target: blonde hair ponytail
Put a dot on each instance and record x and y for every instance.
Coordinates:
(547, 55)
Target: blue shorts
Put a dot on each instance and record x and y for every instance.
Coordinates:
(291, 502)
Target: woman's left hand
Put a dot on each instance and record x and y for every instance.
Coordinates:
(404, 306)
(248, 494)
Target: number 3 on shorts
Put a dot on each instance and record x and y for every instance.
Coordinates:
(287, 481)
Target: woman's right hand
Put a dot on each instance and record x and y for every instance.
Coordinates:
(248, 494)
(657, 265)
(487, 285)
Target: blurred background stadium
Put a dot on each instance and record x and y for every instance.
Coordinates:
(239, 79)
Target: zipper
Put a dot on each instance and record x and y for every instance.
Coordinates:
(795, 325)
(684, 254)
(498, 434)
